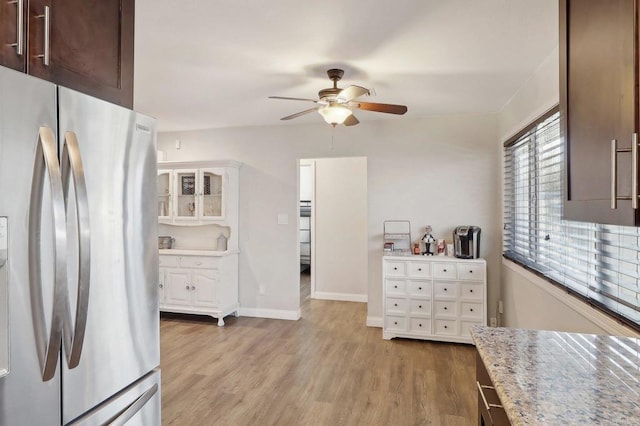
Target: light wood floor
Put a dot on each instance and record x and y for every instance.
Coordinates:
(326, 369)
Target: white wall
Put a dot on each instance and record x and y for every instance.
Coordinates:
(529, 301)
(441, 171)
(340, 233)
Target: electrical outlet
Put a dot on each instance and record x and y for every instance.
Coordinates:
(493, 322)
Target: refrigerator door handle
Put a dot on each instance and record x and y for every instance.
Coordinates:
(46, 161)
(122, 417)
(72, 165)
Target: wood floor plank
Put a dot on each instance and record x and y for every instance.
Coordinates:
(326, 369)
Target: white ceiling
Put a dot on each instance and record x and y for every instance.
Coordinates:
(213, 63)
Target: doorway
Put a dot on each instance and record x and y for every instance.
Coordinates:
(333, 229)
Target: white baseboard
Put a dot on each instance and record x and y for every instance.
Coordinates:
(374, 322)
(342, 297)
(270, 313)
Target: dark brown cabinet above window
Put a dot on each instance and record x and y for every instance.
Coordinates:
(86, 45)
(599, 104)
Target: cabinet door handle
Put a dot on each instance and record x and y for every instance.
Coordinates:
(47, 36)
(187, 287)
(161, 286)
(19, 44)
(634, 172)
(487, 406)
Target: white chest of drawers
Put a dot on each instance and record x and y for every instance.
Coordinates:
(433, 297)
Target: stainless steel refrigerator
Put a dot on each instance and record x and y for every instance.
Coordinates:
(79, 324)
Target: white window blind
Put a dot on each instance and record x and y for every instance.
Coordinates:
(598, 263)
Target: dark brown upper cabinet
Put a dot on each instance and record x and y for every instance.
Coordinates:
(13, 34)
(86, 45)
(598, 105)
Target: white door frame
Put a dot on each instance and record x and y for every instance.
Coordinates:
(312, 220)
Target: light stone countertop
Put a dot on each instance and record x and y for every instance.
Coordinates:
(557, 378)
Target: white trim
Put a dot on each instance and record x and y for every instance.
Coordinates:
(374, 322)
(342, 297)
(270, 313)
(590, 313)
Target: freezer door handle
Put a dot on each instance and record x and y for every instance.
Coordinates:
(46, 161)
(122, 417)
(72, 167)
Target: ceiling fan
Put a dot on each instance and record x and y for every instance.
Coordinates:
(336, 104)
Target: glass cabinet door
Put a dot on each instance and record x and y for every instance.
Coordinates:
(186, 190)
(212, 190)
(164, 194)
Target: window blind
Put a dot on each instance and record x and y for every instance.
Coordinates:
(599, 263)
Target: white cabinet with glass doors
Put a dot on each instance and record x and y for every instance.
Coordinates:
(196, 192)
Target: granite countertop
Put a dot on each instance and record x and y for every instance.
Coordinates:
(550, 377)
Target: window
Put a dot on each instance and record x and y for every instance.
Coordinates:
(598, 263)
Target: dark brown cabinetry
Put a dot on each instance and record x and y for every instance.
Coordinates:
(86, 45)
(598, 105)
(490, 411)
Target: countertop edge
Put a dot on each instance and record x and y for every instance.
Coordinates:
(189, 252)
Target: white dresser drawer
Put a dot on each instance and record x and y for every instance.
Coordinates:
(168, 261)
(471, 271)
(420, 325)
(419, 269)
(199, 262)
(395, 269)
(394, 286)
(446, 308)
(420, 307)
(446, 327)
(419, 288)
(396, 305)
(445, 290)
(471, 311)
(444, 270)
(397, 323)
(471, 291)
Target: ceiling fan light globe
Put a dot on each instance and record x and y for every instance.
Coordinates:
(334, 114)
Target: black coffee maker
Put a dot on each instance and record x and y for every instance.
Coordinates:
(466, 242)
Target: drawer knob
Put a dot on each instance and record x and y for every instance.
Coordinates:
(444, 270)
(395, 268)
(160, 285)
(395, 286)
(395, 323)
(420, 269)
(446, 326)
(395, 304)
(471, 310)
(187, 287)
(471, 271)
(419, 306)
(445, 308)
(419, 288)
(419, 325)
(471, 291)
(445, 289)
(193, 287)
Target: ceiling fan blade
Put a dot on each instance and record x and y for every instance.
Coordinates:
(388, 108)
(298, 114)
(351, 92)
(293, 99)
(351, 120)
